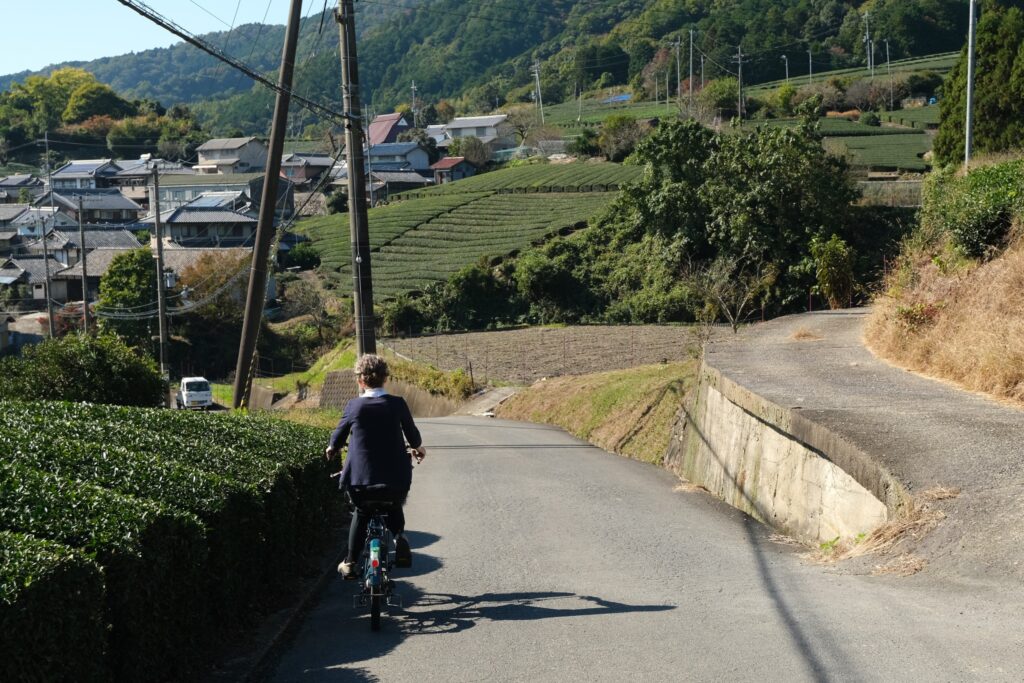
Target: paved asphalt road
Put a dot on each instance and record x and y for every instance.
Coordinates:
(538, 557)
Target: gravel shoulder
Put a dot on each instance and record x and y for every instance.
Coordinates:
(926, 432)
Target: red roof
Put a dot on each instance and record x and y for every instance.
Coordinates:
(382, 128)
(448, 163)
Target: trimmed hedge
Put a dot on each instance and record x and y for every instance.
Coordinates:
(153, 558)
(190, 515)
(231, 512)
(51, 612)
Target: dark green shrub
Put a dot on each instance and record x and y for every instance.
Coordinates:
(870, 118)
(96, 369)
(52, 625)
(153, 557)
(302, 256)
(975, 209)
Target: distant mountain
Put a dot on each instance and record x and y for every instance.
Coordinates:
(184, 74)
(478, 53)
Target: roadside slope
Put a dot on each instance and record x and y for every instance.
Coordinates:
(926, 433)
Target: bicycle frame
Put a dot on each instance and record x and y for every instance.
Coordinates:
(378, 561)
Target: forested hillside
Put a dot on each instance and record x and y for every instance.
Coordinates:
(478, 54)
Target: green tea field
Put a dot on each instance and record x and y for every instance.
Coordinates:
(431, 234)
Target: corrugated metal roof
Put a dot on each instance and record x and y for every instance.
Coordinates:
(186, 215)
(477, 121)
(224, 143)
(447, 163)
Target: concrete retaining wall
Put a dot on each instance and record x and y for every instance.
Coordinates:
(777, 466)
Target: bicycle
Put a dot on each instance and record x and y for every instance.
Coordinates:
(378, 557)
(377, 588)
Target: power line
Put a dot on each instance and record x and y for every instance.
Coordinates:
(154, 16)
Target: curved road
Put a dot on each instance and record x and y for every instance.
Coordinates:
(540, 557)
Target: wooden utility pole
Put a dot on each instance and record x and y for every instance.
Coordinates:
(85, 274)
(359, 232)
(46, 255)
(257, 293)
(161, 299)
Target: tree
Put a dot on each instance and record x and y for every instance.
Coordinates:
(472, 148)
(729, 287)
(94, 99)
(834, 261)
(135, 136)
(305, 298)
(584, 144)
(216, 286)
(82, 368)
(999, 88)
(128, 288)
(521, 120)
(619, 136)
(420, 137)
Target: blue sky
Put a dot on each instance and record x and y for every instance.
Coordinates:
(36, 33)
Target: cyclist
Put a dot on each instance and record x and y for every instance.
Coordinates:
(378, 466)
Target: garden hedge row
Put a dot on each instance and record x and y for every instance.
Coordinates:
(189, 515)
(51, 612)
(152, 558)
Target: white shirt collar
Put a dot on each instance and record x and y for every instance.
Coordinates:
(374, 393)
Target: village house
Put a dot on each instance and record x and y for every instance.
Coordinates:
(488, 129)
(178, 190)
(304, 169)
(232, 155)
(9, 240)
(17, 189)
(84, 174)
(211, 220)
(66, 247)
(386, 128)
(35, 219)
(30, 270)
(398, 156)
(135, 178)
(452, 168)
(99, 205)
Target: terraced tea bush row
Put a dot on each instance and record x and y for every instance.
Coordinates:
(39, 578)
(887, 152)
(921, 117)
(493, 227)
(330, 234)
(189, 515)
(573, 177)
(840, 127)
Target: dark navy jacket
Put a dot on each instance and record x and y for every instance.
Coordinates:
(376, 450)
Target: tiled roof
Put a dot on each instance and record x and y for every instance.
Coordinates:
(181, 258)
(20, 180)
(8, 234)
(87, 168)
(8, 212)
(190, 215)
(209, 179)
(36, 267)
(97, 263)
(224, 143)
(109, 239)
(98, 199)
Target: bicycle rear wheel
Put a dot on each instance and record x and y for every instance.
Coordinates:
(375, 601)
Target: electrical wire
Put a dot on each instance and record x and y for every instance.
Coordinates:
(324, 111)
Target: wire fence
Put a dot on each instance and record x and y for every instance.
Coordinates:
(527, 355)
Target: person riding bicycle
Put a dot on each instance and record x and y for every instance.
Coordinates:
(378, 466)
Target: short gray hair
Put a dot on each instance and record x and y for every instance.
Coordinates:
(372, 369)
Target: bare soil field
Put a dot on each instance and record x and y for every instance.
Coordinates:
(525, 356)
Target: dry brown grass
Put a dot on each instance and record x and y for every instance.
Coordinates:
(963, 323)
(912, 526)
(687, 487)
(804, 334)
(904, 565)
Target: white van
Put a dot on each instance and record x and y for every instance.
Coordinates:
(194, 393)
